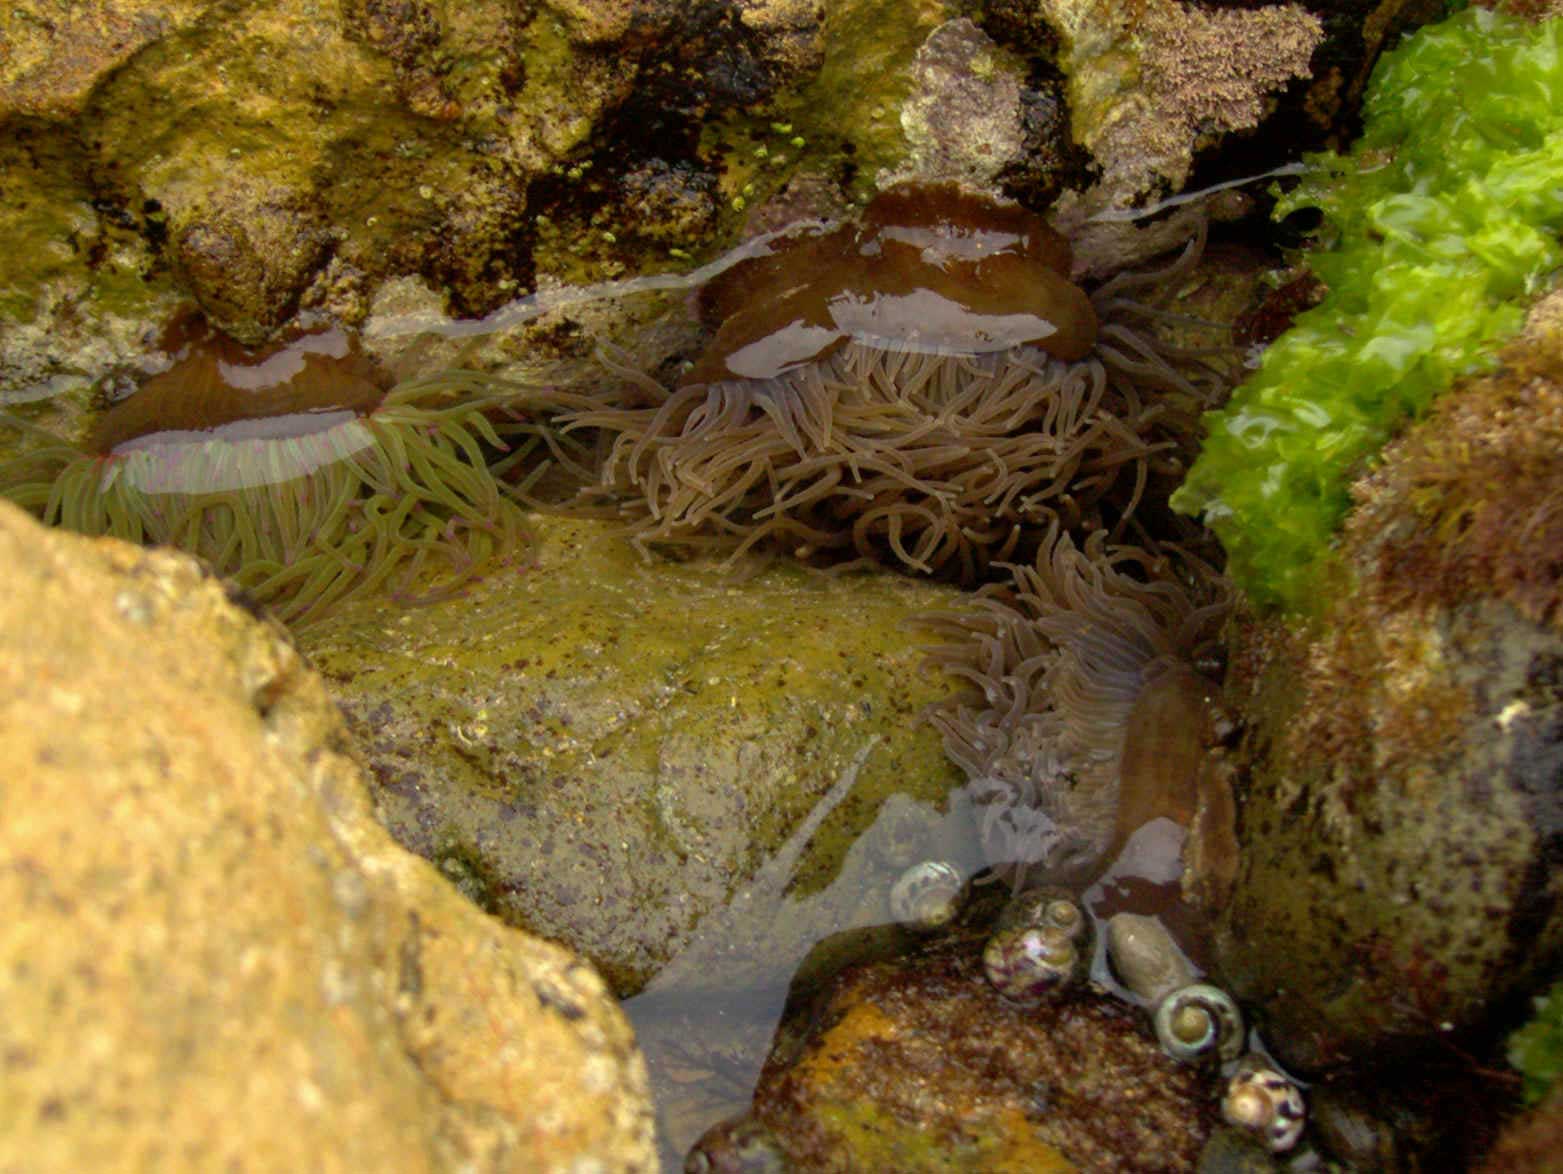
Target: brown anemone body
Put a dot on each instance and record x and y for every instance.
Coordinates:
(926, 388)
(215, 383)
(294, 469)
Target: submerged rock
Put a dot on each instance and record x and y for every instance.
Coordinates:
(606, 750)
(212, 955)
(918, 1064)
(1399, 782)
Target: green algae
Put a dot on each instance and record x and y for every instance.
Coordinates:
(1536, 1050)
(1439, 226)
(848, 116)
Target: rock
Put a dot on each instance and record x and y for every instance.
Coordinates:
(606, 751)
(57, 53)
(1399, 782)
(273, 158)
(1232, 1151)
(1530, 1143)
(1148, 89)
(963, 119)
(920, 1065)
(277, 156)
(212, 955)
(373, 139)
(1438, 1115)
(85, 293)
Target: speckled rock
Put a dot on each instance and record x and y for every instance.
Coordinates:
(1148, 88)
(920, 1065)
(57, 52)
(963, 119)
(605, 750)
(271, 157)
(212, 956)
(1399, 783)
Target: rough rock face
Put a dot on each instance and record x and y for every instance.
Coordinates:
(605, 751)
(266, 158)
(920, 1065)
(212, 956)
(1399, 785)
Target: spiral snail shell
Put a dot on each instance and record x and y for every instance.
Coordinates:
(1040, 945)
(1265, 1103)
(1199, 1022)
(928, 895)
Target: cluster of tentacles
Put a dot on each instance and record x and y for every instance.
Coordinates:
(294, 470)
(1082, 713)
(926, 389)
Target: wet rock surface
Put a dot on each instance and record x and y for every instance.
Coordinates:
(1399, 786)
(213, 956)
(606, 750)
(268, 159)
(918, 1064)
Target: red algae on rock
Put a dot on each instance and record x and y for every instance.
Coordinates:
(924, 387)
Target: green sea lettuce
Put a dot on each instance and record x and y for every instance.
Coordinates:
(1536, 1050)
(1438, 227)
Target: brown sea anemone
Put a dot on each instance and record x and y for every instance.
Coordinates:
(293, 469)
(1083, 715)
(925, 386)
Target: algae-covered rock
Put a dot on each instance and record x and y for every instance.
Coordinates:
(274, 158)
(920, 1065)
(1152, 84)
(964, 119)
(606, 750)
(1438, 227)
(212, 956)
(1400, 780)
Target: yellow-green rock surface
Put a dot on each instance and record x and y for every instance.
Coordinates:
(605, 749)
(212, 957)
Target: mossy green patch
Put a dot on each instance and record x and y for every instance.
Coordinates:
(612, 749)
(850, 113)
(1536, 1049)
(58, 243)
(1439, 226)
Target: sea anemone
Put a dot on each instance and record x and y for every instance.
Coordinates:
(1084, 715)
(292, 469)
(927, 387)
